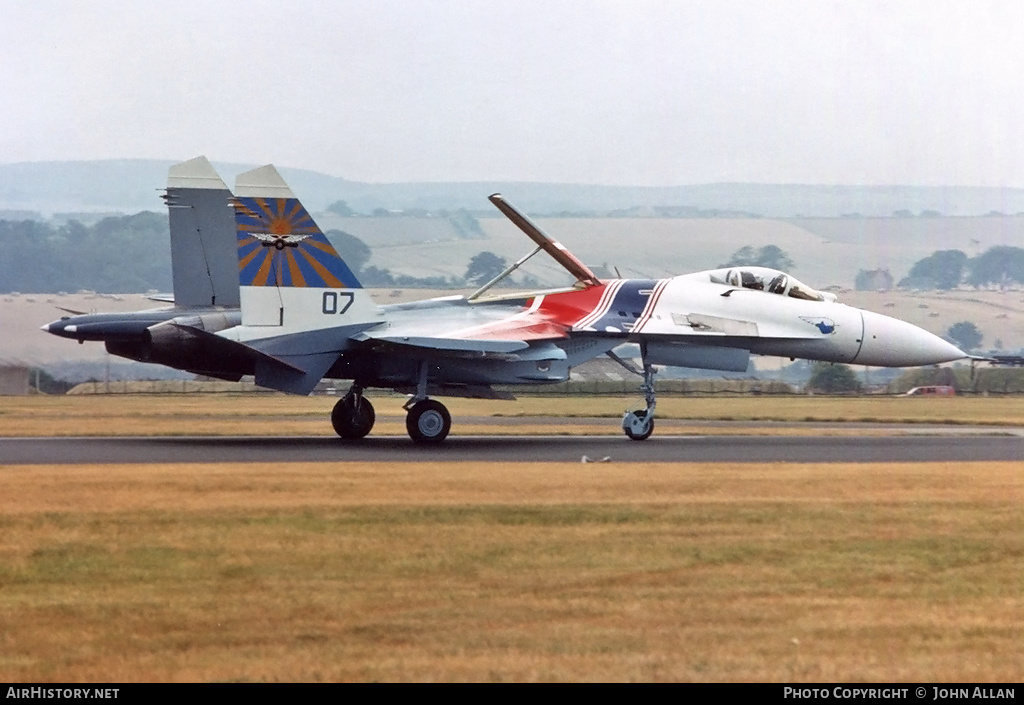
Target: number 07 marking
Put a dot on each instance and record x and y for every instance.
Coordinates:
(330, 302)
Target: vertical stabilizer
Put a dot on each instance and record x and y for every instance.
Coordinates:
(290, 275)
(279, 244)
(203, 259)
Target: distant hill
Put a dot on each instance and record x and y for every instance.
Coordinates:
(131, 185)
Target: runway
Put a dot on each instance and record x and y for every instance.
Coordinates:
(508, 450)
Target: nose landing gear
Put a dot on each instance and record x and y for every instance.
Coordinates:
(639, 424)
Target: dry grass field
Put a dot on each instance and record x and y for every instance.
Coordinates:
(506, 572)
(281, 415)
(525, 572)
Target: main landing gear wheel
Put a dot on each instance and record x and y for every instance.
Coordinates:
(353, 417)
(428, 421)
(638, 425)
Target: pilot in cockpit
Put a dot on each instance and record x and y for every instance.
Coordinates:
(745, 278)
(777, 283)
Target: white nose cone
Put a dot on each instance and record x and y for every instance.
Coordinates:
(888, 342)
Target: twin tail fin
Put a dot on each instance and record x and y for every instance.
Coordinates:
(279, 244)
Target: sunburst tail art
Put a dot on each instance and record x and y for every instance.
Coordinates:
(279, 244)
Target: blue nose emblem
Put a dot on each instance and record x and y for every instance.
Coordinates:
(825, 325)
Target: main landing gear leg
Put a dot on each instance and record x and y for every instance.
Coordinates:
(639, 425)
(428, 421)
(353, 415)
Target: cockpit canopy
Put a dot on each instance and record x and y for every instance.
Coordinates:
(771, 280)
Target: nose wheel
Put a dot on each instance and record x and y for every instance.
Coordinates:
(639, 425)
(428, 421)
(353, 416)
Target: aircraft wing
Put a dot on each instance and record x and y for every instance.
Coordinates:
(480, 328)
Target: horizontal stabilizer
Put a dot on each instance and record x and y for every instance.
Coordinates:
(298, 374)
(294, 362)
(72, 311)
(295, 374)
(222, 346)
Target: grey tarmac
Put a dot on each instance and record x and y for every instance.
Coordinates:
(509, 450)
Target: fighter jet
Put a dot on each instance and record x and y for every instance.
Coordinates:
(305, 316)
(264, 293)
(204, 273)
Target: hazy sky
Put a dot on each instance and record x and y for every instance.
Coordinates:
(644, 92)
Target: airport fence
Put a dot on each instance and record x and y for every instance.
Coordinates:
(985, 382)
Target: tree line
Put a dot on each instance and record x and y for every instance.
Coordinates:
(1001, 266)
(117, 254)
(132, 253)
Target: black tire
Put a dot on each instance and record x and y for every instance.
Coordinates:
(428, 421)
(353, 417)
(648, 430)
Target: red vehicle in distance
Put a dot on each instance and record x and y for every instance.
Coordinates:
(935, 390)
